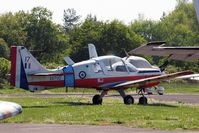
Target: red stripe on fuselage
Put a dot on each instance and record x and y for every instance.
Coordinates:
(13, 65)
(95, 82)
(92, 82)
(48, 83)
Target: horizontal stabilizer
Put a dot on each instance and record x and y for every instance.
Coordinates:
(68, 60)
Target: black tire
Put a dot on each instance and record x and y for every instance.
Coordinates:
(128, 100)
(143, 100)
(97, 100)
(160, 93)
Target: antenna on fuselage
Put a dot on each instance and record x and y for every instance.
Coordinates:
(126, 53)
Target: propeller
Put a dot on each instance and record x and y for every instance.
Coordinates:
(165, 64)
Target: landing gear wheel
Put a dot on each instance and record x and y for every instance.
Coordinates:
(143, 100)
(128, 100)
(97, 100)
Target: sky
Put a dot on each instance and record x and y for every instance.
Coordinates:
(123, 10)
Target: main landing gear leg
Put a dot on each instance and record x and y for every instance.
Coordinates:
(142, 100)
(128, 99)
(97, 99)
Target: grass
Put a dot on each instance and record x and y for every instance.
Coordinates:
(184, 88)
(73, 110)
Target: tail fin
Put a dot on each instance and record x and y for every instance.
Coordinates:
(22, 64)
(196, 3)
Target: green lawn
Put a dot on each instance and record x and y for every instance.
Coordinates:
(184, 88)
(75, 110)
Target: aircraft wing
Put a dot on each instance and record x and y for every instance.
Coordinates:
(9, 109)
(192, 77)
(175, 53)
(156, 79)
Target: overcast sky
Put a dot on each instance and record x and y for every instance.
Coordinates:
(124, 10)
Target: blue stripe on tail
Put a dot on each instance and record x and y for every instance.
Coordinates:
(23, 78)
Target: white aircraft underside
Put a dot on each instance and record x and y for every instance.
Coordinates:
(9, 109)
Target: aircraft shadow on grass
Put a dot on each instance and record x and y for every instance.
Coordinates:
(35, 107)
(90, 104)
(74, 103)
(162, 105)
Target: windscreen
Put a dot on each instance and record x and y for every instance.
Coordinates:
(140, 64)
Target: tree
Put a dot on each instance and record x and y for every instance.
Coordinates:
(70, 19)
(110, 37)
(45, 36)
(116, 36)
(179, 28)
(12, 28)
(88, 32)
(4, 50)
(4, 69)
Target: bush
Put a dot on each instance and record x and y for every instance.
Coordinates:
(4, 69)
(4, 50)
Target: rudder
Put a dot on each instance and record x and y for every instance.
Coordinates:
(23, 64)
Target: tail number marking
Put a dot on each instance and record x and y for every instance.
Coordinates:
(27, 63)
(52, 78)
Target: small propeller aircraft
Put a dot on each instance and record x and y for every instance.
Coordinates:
(9, 109)
(103, 73)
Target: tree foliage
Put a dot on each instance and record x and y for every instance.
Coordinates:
(50, 42)
(70, 19)
(109, 38)
(4, 69)
(4, 50)
(34, 30)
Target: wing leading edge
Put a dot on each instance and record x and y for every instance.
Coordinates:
(151, 80)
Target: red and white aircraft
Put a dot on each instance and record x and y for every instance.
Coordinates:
(103, 73)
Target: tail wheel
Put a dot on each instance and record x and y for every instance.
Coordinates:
(128, 100)
(97, 100)
(143, 100)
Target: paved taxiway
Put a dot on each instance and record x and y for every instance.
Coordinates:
(62, 128)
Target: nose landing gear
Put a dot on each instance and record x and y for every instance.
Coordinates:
(128, 100)
(142, 100)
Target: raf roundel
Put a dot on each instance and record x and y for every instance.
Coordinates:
(82, 74)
